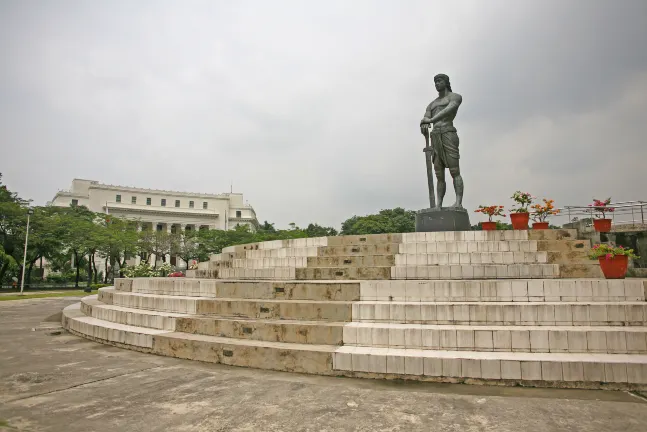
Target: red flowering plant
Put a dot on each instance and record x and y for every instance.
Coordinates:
(602, 207)
(523, 200)
(609, 251)
(491, 211)
(541, 212)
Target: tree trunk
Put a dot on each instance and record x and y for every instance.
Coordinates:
(89, 270)
(105, 272)
(94, 266)
(3, 270)
(78, 275)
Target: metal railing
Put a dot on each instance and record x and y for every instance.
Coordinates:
(625, 213)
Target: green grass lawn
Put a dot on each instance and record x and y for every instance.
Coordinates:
(78, 293)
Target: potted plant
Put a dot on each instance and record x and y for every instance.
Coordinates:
(520, 215)
(490, 211)
(541, 212)
(613, 260)
(602, 224)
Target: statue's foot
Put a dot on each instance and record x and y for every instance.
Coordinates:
(456, 205)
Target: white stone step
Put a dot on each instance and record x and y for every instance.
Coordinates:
(140, 337)
(130, 316)
(523, 290)
(579, 339)
(503, 313)
(157, 302)
(452, 236)
(446, 258)
(310, 251)
(285, 273)
(262, 263)
(570, 367)
(468, 246)
(477, 271)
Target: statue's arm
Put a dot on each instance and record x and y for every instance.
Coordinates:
(427, 116)
(451, 108)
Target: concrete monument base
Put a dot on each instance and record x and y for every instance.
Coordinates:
(446, 219)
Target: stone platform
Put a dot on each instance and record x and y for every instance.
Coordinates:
(446, 219)
(506, 307)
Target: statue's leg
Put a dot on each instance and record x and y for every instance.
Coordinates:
(441, 187)
(455, 171)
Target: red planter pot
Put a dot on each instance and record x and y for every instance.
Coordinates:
(520, 220)
(540, 225)
(602, 225)
(488, 226)
(614, 268)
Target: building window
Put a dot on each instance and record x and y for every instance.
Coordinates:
(148, 201)
(75, 202)
(133, 200)
(177, 203)
(191, 204)
(118, 198)
(159, 227)
(238, 214)
(163, 202)
(204, 205)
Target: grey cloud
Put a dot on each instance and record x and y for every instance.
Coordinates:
(312, 109)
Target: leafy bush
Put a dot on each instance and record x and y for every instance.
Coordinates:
(610, 251)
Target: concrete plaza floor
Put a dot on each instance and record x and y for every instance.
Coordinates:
(53, 381)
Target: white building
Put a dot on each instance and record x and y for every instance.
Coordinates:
(160, 209)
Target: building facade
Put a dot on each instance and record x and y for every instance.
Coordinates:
(160, 209)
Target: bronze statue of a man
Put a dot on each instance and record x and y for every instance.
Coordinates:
(444, 139)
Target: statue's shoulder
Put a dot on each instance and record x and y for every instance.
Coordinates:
(455, 97)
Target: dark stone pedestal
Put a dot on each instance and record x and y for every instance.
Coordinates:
(446, 219)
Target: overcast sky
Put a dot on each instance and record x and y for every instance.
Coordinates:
(311, 109)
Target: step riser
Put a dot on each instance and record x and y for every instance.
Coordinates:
(314, 311)
(581, 246)
(469, 247)
(264, 331)
(359, 250)
(537, 341)
(508, 314)
(554, 290)
(244, 290)
(475, 258)
(109, 335)
(248, 356)
(542, 373)
(572, 271)
(344, 273)
(573, 257)
(475, 271)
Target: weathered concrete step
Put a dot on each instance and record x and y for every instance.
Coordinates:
(90, 306)
(292, 290)
(352, 261)
(310, 251)
(521, 290)
(553, 234)
(504, 313)
(448, 258)
(573, 270)
(343, 273)
(261, 263)
(569, 257)
(555, 339)
(477, 271)
(543, 369)
(138, 337)
(236, 307)
(278, 244)
(281, 356)
(291, 331)
(462, 246)
(359, 250)
(582, 246)
(202, 274)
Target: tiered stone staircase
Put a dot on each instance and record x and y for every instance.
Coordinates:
(511, 307)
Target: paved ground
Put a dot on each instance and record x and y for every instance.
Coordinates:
(59, 382)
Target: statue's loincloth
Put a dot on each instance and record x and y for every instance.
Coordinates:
(444, 144)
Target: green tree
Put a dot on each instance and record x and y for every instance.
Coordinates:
(397, 220)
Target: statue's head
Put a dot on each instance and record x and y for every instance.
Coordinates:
(442, 82)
